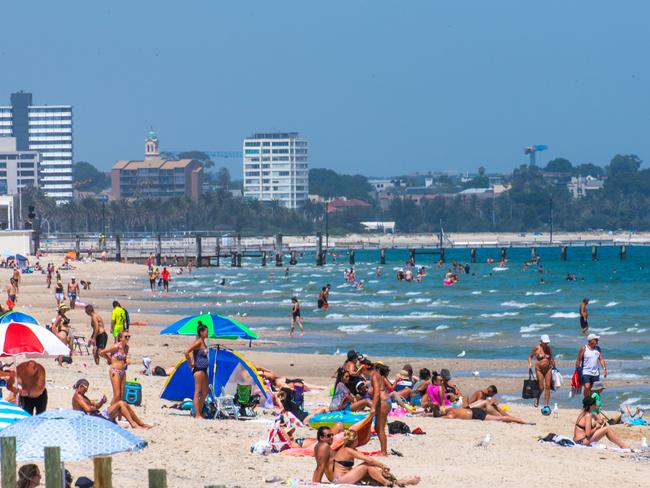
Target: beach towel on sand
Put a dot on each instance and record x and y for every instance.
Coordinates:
(560, 440)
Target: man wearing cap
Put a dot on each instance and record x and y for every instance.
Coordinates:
(73, 292)
(590, 359)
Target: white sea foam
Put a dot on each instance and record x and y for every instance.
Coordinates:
(515, 304)
(606, 331)
(500, 268)
(419, 300)
(384, 292)
(412, 293)
(492, 291)
(635, 329)
(334, 316)
(429, 315)
(484, 335)
(611, 304)
(541, 293)
(630, 401)
(565, 315)
(442, 327)
(269, 292)
(412, 332)
(477, 292)
(355, 329)
(499, 315)
(623, 376)
(534, 327)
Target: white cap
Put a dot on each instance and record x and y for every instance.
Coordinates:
(72, 278)
(591, 337)
(545, 339)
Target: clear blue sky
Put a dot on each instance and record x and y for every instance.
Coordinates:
(378, 87)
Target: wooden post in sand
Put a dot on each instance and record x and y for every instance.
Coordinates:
(103, 472)
(53, 478)
(8, 467)
(157, 478)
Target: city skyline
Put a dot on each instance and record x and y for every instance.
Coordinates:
(438, 87)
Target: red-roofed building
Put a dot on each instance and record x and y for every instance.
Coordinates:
(339, 204)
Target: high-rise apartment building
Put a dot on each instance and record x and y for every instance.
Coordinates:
(48, 130)
(275, 168)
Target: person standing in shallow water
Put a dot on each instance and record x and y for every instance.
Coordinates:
(584, 325)
(295, 316)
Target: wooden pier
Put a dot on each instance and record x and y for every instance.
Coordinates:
(214, 250)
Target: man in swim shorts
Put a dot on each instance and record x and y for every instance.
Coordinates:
(99, 338)
(73, 292)
(30, 383)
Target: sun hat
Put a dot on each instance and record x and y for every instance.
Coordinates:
(545, 339)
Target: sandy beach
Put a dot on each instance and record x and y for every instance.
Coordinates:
(198, 453)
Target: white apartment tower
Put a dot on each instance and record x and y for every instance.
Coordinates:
(46, 129)
(275, 168)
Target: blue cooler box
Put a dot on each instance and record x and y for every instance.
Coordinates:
(133, 393)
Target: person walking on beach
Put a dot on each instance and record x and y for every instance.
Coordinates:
(543, 367)
(59, 296)
(12, 290)
(117, 357)
(590, 359)
(73, 292)
(118, 320)
(153, 277)
(584, 325)
(197, 359)
(295, 317)
(50, 270)
(165, 279)
(98, 338)
(381, 403)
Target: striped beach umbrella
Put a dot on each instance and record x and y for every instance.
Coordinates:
(219, 327)
(14, 316)
(10, 414)
(79, 436)
(30, 340)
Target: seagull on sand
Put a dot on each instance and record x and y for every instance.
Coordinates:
(484, 442)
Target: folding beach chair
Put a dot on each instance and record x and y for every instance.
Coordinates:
(223, 407)
(246, 401)
(78, 343)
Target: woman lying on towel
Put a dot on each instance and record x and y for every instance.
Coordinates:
(486, 412)
(345, 472)
(587, 430)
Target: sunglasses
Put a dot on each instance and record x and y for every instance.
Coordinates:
(328, 436)
(127, 336)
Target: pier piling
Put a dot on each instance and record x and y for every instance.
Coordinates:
(199, 256)
(442, 254)
(352, 257)
(77, 246)
(278, 250)
(294, 259)
(382, 256)
(622, 253)
(563, 253)
(320, 257)
(594, 253)
(472, 254)
(504, 253)
(217, 251)
(233, 259)
(533, 253)
(118, 249)
(263, 258)
(158, 250)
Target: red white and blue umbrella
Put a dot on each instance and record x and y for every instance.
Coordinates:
(30, 340)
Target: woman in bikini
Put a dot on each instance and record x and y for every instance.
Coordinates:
(116, 357)
(587, 430)
(381, 403)
(197, 359)
(543, 367)
(295, 317)
(345, 472)
(61, 327)
(343, 399)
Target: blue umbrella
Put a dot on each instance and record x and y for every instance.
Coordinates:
(10, 414)
(219, 327)
(79, 436)
(20, 317)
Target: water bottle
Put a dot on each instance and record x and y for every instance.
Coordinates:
(556, 411)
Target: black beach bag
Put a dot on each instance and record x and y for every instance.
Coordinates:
(531, 387)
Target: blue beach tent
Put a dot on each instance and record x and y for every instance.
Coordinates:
(226, 370)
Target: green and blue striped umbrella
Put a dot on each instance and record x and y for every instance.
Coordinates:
(219, 327)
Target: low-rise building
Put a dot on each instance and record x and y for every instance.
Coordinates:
(155, 177)
(580, 185)
(381, 184)
(18, 169)
(342, 203)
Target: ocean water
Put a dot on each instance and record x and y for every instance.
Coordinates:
(488, 314)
